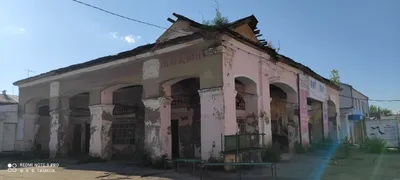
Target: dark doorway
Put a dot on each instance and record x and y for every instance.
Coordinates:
(87, 138)
(77, 139)
(175, 138)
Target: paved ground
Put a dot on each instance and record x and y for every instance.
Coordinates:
(359, 166)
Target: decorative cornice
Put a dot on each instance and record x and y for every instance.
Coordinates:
(101, 107)
(154, 103)
(211, 91)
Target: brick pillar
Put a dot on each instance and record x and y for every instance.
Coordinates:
(54, 118)
(54, 135)
(212, 121)
(157, 123)
(100, 130)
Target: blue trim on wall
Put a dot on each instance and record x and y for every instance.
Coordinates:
(355, 117)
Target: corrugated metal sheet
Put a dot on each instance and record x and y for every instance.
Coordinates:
(8, 99)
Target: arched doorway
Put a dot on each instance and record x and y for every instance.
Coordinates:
(42, 127)
(185, 119)
(79, 128)
(128, 123)
(247, 117)
(284, 116)
(315, 121)
(332, 121)
(246, 106)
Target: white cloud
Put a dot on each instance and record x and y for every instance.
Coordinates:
(130, 39)
(127, 38)
(114, 35)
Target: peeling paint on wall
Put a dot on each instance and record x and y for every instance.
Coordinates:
(54, 129)
(229, 53)
(212, 122)
(106, 135)
(153, 104)
(64, 140)
(100, 130)
(151, 69)
(152, 127)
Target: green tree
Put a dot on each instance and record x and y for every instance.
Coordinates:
(376, 109)
(335, 78)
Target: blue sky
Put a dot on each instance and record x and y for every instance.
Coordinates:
(359, 37)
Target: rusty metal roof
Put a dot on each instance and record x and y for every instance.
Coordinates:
(106, 59)
(8, 99)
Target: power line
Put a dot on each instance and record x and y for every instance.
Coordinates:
(125, 17)
(378, 100)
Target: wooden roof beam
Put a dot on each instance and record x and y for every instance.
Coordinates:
(171, 20)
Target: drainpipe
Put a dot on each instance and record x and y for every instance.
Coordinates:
(299, 106)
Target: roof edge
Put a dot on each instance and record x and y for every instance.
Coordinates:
(282, 58)
(111, 58)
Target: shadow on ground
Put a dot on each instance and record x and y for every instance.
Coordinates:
(316, 165)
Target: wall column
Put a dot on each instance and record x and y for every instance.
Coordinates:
(265, 104)
(212, 121)
(30, 120)
(54, 118)
(64, 140)
(101, 134)
(157, 124)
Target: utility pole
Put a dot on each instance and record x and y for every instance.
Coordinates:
(28, 71)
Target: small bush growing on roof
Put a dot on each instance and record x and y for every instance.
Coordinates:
(218, 21)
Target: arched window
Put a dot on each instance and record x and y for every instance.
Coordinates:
(240, 103)
(43, 111)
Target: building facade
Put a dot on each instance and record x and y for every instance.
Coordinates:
(8, 121)
(176, 97)
(354, 107)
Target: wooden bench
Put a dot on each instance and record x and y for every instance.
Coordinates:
(272, 166)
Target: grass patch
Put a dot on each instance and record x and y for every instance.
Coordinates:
(374, 145)
(272, 154)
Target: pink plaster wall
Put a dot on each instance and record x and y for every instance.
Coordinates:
(243, 61)
(237, 64)
(304, 111)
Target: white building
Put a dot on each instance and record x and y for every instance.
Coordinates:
(8, 121)
(354, 107)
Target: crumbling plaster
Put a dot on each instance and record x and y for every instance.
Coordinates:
(334, 96)
(241, 60)
(100, 139)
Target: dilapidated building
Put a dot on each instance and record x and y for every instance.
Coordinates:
(176, 97)
(8, 121)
